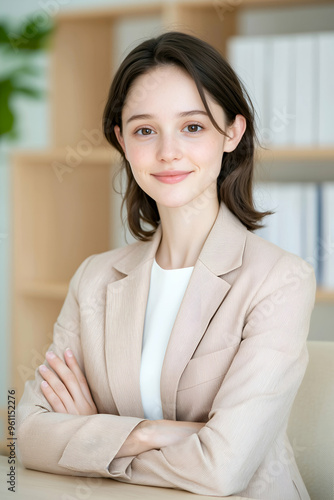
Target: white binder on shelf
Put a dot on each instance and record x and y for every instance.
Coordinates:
(310, 225)
(249, 57)
(282, 106)
(326, 89)
(290, 217)
(294, 225)
(326, 243)
(306, 91)
(267, 197)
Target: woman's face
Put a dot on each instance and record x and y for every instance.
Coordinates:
(166, 128)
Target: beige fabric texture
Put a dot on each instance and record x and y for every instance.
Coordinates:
(236, 357)
(311, 422)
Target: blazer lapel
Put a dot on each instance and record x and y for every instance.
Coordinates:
(202, 298)
(126, 306)
(125, 314)
(221, 253)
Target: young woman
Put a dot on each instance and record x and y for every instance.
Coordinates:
(187, 347)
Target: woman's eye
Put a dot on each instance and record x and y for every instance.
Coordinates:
(144, 130)
(193, 127)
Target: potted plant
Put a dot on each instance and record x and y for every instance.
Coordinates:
(16, 45)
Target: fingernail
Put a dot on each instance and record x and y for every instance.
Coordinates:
(68, 352)
(44, 383)
(50, 355)
(42, 368)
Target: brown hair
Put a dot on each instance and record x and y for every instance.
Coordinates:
(212, 72)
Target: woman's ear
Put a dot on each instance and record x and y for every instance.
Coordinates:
(119, 137)
(235, 133)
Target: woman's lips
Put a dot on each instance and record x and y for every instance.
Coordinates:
(171, 178)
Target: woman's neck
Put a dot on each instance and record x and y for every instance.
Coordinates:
(184, 231)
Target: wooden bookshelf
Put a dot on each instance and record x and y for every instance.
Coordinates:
(4, 423)
(296, 154)
(48, 290)
(325, 295)
(62, 197)
(294, 165)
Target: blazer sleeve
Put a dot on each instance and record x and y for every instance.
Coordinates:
(43, 435)
(252, 405)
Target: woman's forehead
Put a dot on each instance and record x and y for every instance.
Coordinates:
(160, 80)
(168, 88)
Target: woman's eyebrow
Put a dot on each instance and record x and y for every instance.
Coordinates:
(182, 114)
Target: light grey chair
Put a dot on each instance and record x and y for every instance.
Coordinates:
(311, 423)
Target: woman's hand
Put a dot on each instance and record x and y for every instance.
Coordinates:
(66, 390)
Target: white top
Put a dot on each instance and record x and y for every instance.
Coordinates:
(167, 287)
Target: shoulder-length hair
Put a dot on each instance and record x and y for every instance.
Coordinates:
(210, 71)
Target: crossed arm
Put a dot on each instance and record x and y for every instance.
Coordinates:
(67, 391)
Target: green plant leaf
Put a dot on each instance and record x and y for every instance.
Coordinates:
(3, 33)
(7, 118)
(23, 71)
(30, 36)
(29, 91)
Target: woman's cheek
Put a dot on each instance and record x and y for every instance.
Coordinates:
(140, 158)
(141, 173)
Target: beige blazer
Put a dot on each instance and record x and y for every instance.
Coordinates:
(235, 360)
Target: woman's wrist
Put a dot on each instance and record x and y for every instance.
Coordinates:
(147, 434)
(135, 443)
(155, 434)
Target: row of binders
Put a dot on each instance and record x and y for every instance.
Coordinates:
(290, 80)
(302, 222)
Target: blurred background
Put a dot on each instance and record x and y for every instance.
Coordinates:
(57, 202)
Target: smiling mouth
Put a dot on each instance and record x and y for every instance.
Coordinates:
(171, 173)
(171, 177)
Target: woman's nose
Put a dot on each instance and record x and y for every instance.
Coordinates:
(169, 148)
